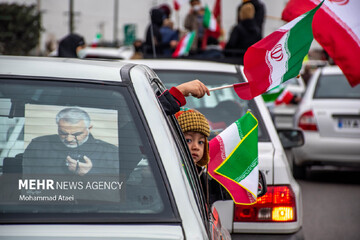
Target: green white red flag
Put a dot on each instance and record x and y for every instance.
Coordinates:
(277, 57)
(278, 95)
(234, 159)
(336, 29)
(210, 22)
(184, 45)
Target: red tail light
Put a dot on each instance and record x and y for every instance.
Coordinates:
(307, 121)
(277, 205)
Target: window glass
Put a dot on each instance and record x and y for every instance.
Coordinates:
(335, 86)
(75, 149)
(222, 107)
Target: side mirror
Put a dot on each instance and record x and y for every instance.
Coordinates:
(290, 138)
(262, 187)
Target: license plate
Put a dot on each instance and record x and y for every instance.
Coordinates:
(349, 123)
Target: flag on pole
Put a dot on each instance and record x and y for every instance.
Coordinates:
(277, 57)
(184, 45)
(234, 159)
(336, 28)
(210, 22)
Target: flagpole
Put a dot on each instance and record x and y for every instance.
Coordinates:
(222, 87)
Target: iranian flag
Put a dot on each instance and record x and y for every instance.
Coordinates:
(210, 22)
(336, 27)
(277, 57)
(184, 45)
(278, 95)
(234, 159)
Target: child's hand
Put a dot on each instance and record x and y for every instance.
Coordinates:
(193, 88)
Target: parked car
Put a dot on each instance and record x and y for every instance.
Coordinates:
(87, 152)
(222, 108)
(329, 115)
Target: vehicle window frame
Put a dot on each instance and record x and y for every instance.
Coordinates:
(98, 217)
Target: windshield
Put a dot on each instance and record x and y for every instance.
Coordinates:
(70, 150)
(335, 86)
(222, 107)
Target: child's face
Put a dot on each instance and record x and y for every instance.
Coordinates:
(196, 144)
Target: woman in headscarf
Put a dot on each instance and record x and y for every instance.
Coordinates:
(71, 45)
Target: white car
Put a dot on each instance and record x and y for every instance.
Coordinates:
(222, 108)
(329, 115)
(130, 174)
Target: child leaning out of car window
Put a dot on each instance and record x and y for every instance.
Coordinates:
(196, 130)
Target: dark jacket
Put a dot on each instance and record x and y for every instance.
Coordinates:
(47, 155)
(171, 100)
(260, 12)
(243, 35)
(68, 45)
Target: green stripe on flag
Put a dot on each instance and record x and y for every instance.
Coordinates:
(190, 41)
(207, 17)
(273, 94)
(298, 44)
(244, 158)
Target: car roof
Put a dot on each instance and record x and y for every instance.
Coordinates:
(186, 64)
(61, 68)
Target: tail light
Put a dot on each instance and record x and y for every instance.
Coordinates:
(307, 121)
(277, 205)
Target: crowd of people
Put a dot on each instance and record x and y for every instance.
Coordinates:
(161, 37)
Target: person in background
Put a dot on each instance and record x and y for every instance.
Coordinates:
(169, 35)
(71, 46)
(244, 34)
(260, 12)
(154, 37)
(194, 22)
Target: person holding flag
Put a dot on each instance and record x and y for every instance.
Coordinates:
(196, 131)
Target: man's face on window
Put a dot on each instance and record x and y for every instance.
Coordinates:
(73, 135)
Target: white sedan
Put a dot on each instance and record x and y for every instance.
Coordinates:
(329, 115)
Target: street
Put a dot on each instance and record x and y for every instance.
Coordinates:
(331, 203)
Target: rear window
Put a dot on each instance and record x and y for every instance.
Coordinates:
(335, 86)
(76, 152)
(222, 107)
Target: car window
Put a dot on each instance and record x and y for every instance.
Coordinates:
(335, 86)
(222, 107)
(76, 151)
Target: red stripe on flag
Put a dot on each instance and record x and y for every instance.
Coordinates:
(239, 194)
(328, 30)
(243, 90)
(256, 69)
